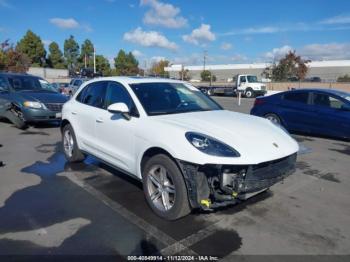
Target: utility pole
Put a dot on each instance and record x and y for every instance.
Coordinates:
(144, 71)
(205, 54)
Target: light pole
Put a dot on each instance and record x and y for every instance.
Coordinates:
(94, 60)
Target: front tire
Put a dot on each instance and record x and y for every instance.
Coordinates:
(164, 188)
(249, 93)
(70, 145)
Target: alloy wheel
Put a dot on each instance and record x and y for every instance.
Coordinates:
(161, 188)
(68, 143)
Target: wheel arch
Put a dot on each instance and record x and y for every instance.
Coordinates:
(150, 152)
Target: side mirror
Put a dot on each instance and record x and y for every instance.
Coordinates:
(119, 108)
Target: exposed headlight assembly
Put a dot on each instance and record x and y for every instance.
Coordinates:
(33, 104)
(210, 145)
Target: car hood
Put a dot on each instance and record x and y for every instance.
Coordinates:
(43, 96)
(251, 136)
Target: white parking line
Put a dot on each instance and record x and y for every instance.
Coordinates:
(132, 218)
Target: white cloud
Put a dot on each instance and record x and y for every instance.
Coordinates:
(340, 19)
(239, 58)
(163, 14)
(149, 39)
(4, 3)
(226, 46)
(277, 53)
(200, 35)
(156, 59)
(256, 30)
(330, 51)
(137, 53)
(68, 23)
(47, 42)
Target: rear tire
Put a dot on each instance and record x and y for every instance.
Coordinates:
(70, 145)
(273, 118)
(164, 188)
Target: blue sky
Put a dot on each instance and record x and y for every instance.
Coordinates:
(180, 31)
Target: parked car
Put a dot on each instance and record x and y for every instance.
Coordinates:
(313, 79)
(188, 151)
(74, 85)
(25, 99)
(60, 87)
(316, 111)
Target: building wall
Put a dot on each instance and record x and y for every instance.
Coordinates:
(328, 71)
(50, 74)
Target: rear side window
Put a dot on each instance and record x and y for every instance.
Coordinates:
(93, 94)
(299, 97)
(78, 82)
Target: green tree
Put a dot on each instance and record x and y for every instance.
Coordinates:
(55, 58)
(126, 64)
(13, 60)
(32, 46)
(344, 78)
(102, 65)
(207, 76)
(158, 68)
(87, 52)
(290, 66)
(71, 53)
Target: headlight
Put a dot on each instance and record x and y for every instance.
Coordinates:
(210, 145)
(32, 104)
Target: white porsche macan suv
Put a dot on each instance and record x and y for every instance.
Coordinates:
(188, 151)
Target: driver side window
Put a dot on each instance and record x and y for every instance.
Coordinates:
(325, 100)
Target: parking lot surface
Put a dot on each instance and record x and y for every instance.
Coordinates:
(50, 207)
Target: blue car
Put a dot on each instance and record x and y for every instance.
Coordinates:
(323, 112)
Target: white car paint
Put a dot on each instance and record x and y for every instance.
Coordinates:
(123, 143)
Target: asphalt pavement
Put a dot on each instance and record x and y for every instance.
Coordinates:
(49, 207)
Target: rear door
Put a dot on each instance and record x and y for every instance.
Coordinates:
(329, 117)
(91, 102)
(296, 110)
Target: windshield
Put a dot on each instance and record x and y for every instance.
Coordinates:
(345, 96)
(25, 83)
(172, 98)
(252, 79)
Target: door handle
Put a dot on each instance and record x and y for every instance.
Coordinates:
(99, 120)
(74, 113)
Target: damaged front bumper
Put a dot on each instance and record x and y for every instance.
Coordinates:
(210, 186)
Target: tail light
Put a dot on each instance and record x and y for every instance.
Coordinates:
(258, 102)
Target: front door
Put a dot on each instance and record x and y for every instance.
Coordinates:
(115, 135)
